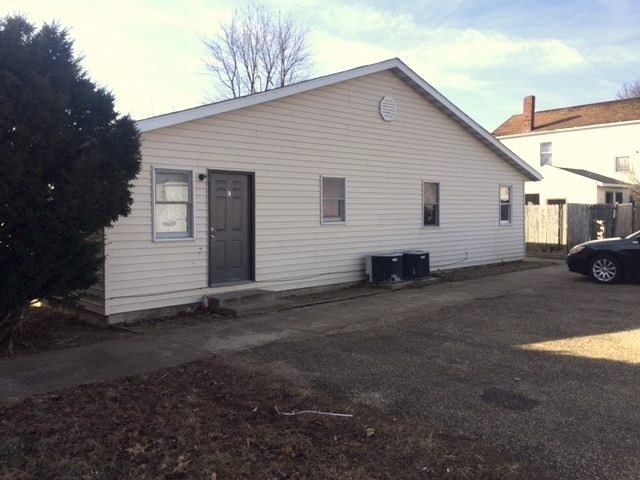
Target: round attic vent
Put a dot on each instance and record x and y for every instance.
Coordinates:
(387, 109)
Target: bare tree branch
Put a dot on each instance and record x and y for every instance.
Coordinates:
(629, 90)
(257, 51)
(294, 53)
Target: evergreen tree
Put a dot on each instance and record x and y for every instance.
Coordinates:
(66, 163)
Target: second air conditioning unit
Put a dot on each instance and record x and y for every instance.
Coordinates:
(415, 264)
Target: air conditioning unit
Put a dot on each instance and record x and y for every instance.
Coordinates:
(415, 264)
(384, 267)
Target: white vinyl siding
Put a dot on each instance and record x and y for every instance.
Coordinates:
(288, 144)
(94, 300)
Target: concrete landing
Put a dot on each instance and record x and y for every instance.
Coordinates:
(247, 302)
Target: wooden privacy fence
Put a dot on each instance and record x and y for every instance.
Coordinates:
(556, 228)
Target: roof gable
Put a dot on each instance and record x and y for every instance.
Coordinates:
(395, 65)
(603, 113)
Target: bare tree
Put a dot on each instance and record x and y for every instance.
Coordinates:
(257, 51)
(629, 90)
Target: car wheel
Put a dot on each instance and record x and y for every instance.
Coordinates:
(605, 269)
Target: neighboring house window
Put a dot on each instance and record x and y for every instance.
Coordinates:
(532, 199)
(556, 201)
(431, 203)
(172, 204)
(505, 204)
(622, 164)
(545, 154)
(613, 197)
(334, 200)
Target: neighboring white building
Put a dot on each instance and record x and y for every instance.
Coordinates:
(291, 188)
(586, 154)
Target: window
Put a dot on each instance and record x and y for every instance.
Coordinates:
(545, 154)
(622, 164)
(608, 197)
(556, 201)
(431, 203)
(173, 204)
(505, 204)
(334, 200)
(613, 197)
(532, 199)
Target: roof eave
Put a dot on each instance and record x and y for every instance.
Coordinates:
(568, 129)
(614, 185)
(196, 113)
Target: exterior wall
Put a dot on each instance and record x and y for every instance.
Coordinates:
(559, 184)
(590, 148)
(94, 300)
(288, 144)
(602, 191)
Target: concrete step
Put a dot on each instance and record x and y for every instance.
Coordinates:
(247, 302)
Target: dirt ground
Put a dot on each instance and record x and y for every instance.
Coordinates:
(209, 420)
(206, 420)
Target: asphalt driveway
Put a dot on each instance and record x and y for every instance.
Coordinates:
(546, 367)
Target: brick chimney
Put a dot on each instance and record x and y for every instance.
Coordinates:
(529, 113)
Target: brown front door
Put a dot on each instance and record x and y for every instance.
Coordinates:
(230, 227)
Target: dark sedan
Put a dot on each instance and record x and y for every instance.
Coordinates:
(607, 260)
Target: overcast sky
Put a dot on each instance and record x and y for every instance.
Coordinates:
(484, 55)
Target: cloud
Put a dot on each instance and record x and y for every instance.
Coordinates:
(357, 21)
(149, 54)
(475, 50)
(462, 58)
(354, 27)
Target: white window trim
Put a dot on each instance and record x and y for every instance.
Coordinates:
(548, 155)
(188, 237)
(322, 219)
(438, 210)
(510, 221)
(627, 164)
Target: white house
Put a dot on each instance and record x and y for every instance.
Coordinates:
(291, 188)
(586, 154)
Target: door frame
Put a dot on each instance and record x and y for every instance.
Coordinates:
(251, 210)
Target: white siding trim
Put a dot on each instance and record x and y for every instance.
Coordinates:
(333, 222)
(439, 205)
(500, 204)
